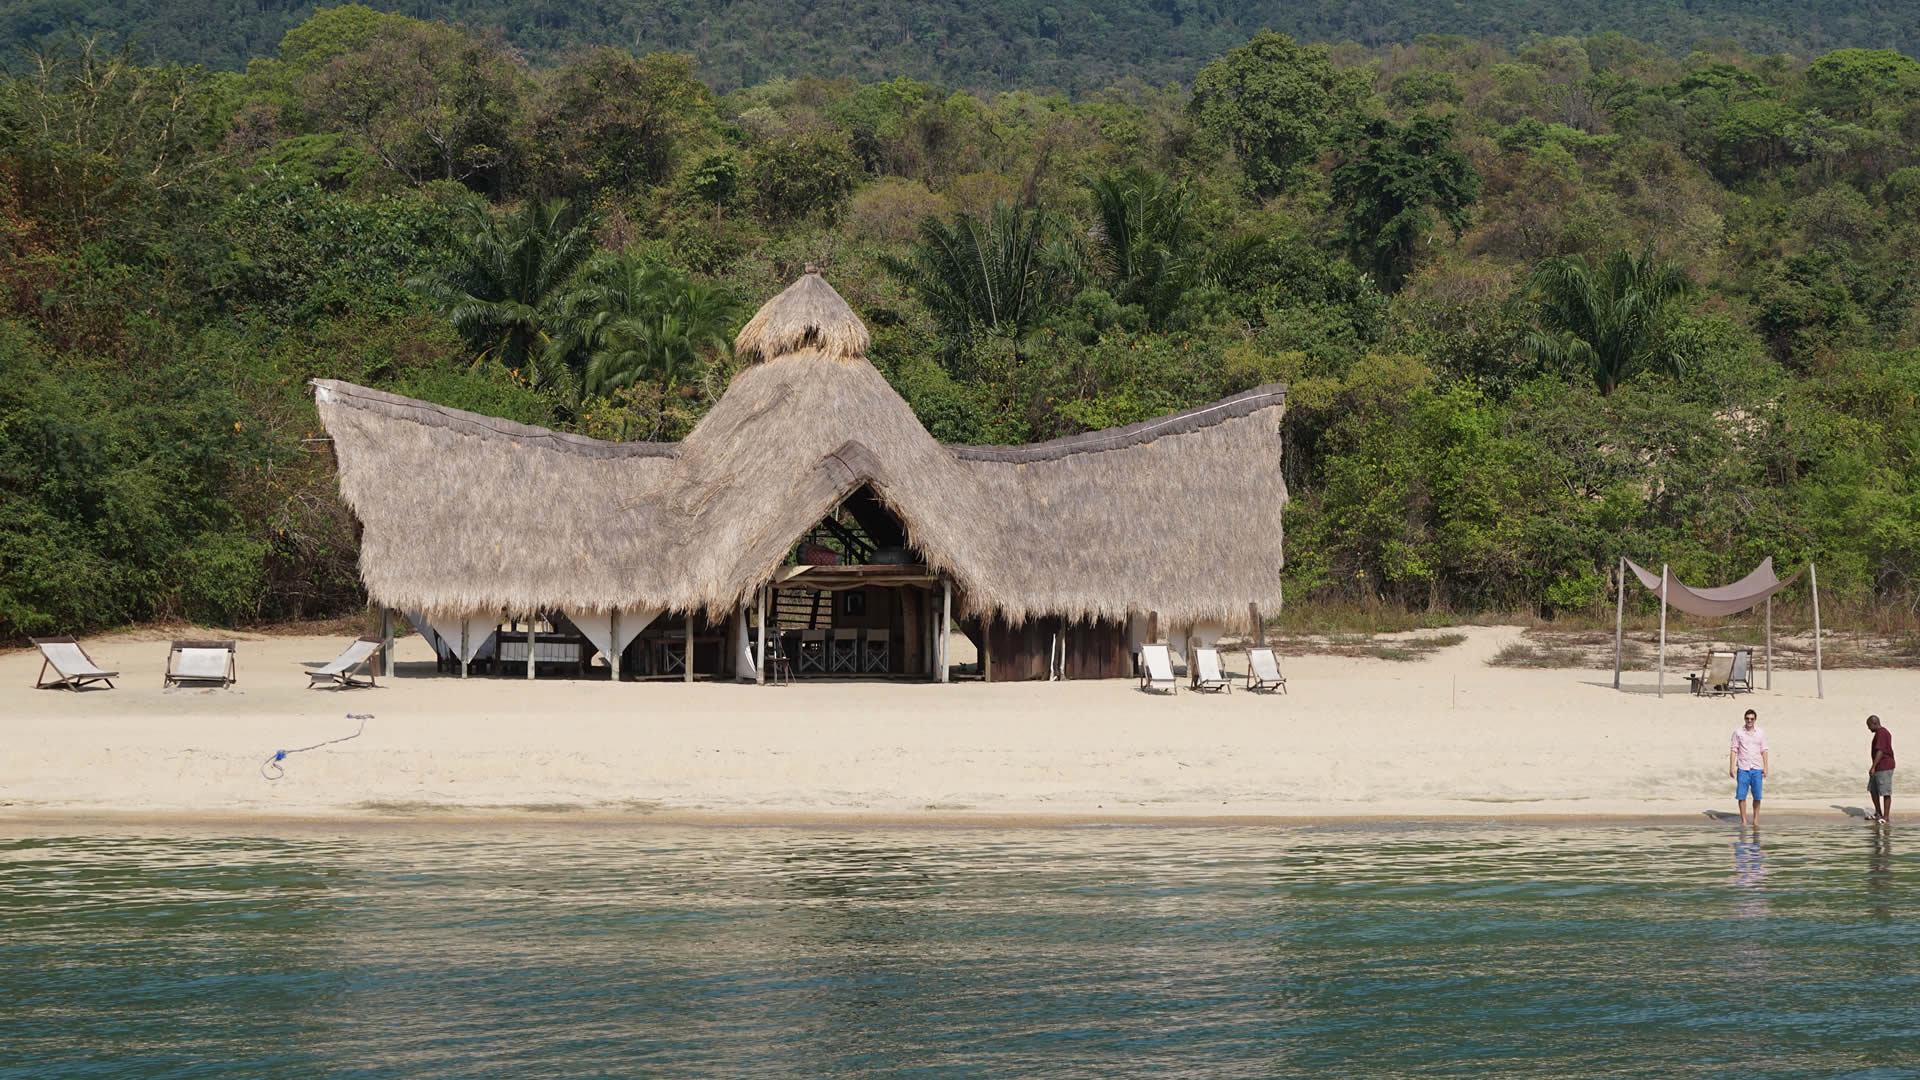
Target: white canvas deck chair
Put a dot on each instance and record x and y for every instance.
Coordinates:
(1714, 675)
(1740, 680)
(1206, 672)
(360, 654)
(1156, 669)
(1263, 671)
(203, 663)
(70, 663)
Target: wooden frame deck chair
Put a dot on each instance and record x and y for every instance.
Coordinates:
(71, 663)
(1156, 669)
(1740, 679)
(1206, 672)
(845, 656)
(208, 663)
(360, 654)
(1263, 671)
(1714, 674)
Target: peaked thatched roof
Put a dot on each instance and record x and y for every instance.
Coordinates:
(807, 314)
(1179, 515)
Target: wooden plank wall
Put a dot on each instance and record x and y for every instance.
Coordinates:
(1094, 650)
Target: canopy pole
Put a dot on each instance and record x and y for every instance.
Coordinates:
(386, 642)
(1619, 619)
(613, 630)
(760, 661)
(946, 629)
(1660, 688)
(530, 632)
(1819, 680)
(466, 622)
(686, 665)
(1769, 642)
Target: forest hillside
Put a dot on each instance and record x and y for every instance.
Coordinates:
(1540, 303)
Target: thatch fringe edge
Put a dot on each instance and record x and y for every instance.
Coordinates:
(486, 427)
(1146, 431)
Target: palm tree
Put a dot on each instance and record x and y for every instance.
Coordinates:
(982, 278)
(1609, 323)
(1140, 238)
(632, 319)
(502, 288)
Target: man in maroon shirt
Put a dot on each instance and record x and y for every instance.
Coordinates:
(1880, 770)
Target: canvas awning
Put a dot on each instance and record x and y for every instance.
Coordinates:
(1751, 591)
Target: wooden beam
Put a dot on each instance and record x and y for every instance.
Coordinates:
(946, 629)
(1259, 624)
(760, 662)
(1660, 688)
(1819, 676)
(686, 665)
(986, 649)
(1619, 621)
(1769, 642)
(530, 664)
(386, 642)
(613, 642)
(466, 628)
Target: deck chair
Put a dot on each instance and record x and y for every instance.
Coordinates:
(878, 656)
(779, 670)
(360, 654)
(846, 652)
(1263, 671)
(1156, 669)
(1740, 679)
(1206, 672)
(813, 652)
(1714, 675)
(201, 662)
(70, 663)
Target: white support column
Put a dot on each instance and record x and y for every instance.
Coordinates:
(1619, 620)
(530, 664)
(466, 650)
(1819, 677)
(1661, 687)
(946, 629)
(760, 658)
(386, 642)
(686, 667)
(613, 635)
(1769, 642)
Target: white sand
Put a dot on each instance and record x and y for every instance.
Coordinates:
(1443, 737)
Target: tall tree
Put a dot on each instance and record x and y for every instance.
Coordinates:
(990, 278)
(1392, 181)
(503, 286)
(1609, 322)
(1141, 239)
(631, 319)
(1276, 103)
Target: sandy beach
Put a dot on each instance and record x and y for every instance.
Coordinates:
(1445, 737)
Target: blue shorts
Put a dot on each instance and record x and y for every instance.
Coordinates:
(1745, 779)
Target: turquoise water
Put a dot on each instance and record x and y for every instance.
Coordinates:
(577, 951)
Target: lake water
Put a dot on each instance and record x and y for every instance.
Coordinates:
(1334, 951)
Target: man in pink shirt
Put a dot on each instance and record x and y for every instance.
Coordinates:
(1747, 765)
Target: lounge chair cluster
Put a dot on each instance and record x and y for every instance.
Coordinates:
(195, 663)
(1726, 671)
(1204, 672)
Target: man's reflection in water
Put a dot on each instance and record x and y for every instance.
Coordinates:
(1880, 873)
(1750, 876)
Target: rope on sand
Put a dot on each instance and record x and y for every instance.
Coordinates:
(274, 759)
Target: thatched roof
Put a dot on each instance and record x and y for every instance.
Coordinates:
(1179, 515)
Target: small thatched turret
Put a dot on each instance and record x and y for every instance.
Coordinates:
(807, 315)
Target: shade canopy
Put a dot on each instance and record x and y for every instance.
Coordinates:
(1748, 592)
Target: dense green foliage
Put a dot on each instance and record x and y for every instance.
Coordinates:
(1069, 46)
(1537, 307)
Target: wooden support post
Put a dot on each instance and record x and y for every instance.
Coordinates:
(1619, 620)
(530, 664)
(1769, 642)
(386, 642)
(466, 650)
(686, 666)
(986, 649)
(946, 629)
(1153, 627)
(1819, 677)
(1259, 625)
(613, 643)
(760, 660)
(1660, 688)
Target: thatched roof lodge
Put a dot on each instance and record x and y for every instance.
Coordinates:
(466, 517)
